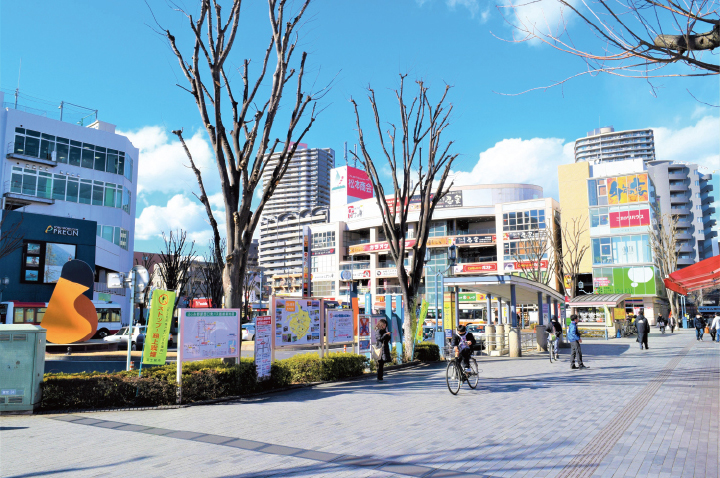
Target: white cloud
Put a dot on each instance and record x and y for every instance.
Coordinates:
(542, 17)
(180, 212)
(516, 160)
(535, 161)
(473, 6)
(698, 143)
(163, 164)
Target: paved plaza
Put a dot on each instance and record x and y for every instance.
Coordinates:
(633, 413)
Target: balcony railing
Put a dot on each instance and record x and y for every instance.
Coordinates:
(102, 288)
(473, 259)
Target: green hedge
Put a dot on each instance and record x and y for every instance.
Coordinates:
(427, 352)
(202, 380)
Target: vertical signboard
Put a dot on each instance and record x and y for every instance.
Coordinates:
(340, 328)
(156, 336)
(263, 346)
(307, 257)
(297, 322)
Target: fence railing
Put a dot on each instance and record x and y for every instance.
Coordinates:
(102, 288)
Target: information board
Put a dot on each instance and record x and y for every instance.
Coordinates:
(209, 333)
(263, 346)
(297, 322)
(340, 326)
(367, 329)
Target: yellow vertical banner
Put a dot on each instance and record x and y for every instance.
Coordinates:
(449, 311)
(156, 336)
(613, 194)
(622, 189)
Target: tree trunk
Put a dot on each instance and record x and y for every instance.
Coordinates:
(232, 281)
(409, 326)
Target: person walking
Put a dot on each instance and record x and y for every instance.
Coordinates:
(573, 336)
(383, 342)
(671, 322)
(556, 329)
(661, 323)
(699, 327)
(715, 328)
(643, 328)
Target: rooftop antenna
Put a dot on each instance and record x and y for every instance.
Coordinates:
(345, 156)
(17, 90)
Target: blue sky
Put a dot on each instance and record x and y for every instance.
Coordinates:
(105, 56)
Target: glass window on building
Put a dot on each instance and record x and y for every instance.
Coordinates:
(124, 239)
(29, 183)
(599, 217)
(438, 229)
(97, 193)
(88, 156)
(73, 188)
(47, 147)
(100, 158)
(74, 158)
(59, 184)
(323, 288)
(85, 191)
(16, 180)
(110, 195)
(602, 250)
(126, 200)
(62, 150)
(107, 233)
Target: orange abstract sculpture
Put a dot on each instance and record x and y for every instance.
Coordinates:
(71, 315)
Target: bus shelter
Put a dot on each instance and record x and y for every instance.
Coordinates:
(510, 292)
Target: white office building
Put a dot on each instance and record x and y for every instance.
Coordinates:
(64, 170)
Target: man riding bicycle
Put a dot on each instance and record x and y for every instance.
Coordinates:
(554, 331)
(463, 342)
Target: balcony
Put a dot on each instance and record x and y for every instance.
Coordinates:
(678, 187)
(680, 210)
(17, 153)
(17, 200)
(682, 261)
(679, 198)
(684, 224)
(393, 289)
(677, 174)
(683, 235)
(686, 247)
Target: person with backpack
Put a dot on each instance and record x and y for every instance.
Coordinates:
(661, 323)
(462, 343)
(556, 329)
(643, 329)
(573, 336)
(699, 327)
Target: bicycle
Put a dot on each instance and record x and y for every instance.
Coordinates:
(551, 338)
(455, 375)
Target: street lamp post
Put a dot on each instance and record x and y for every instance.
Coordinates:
(452, 256)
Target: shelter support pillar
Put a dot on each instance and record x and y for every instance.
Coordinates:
(540, 308)
(490, 327)
(513, 306)
(500, 313)
(514, 342)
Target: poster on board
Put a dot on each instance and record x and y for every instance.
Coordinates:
(367, 328)
(263, 346)
(297, 322)
(209, 333)
(340, 327)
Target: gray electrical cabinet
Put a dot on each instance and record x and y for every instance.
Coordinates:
(22, 366)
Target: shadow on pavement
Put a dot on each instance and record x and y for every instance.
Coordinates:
(79, 469)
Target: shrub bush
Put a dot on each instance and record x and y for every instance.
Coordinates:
(202, 380)
(427, 352)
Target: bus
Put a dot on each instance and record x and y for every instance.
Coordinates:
(15, 312)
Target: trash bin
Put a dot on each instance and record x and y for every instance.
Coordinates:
(22, 354)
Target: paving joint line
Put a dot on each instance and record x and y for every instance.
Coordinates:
(363, 462)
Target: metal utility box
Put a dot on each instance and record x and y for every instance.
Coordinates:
(22, 366)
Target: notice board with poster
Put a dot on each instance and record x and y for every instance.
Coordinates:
(263, 346)
(208, 333)
(340, 327)
(367, 328)
(297, 322)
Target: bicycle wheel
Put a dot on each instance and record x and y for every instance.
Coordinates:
(453, 377)
(550, 350)
(474, 376)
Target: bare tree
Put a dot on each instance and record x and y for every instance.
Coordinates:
(533, 255)
(176, 259)
(148, 262)
(211, 272)
(244, 150)
(250, 277)
(11, 236)
(633, 38)
(664, 245)
(422, 157)
(569, 251)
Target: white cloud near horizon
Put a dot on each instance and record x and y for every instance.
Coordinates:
(535, 160)
(181, 212)
(164, 166)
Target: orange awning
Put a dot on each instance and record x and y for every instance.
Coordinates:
(698, 276)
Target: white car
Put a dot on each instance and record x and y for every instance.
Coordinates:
(121, 336)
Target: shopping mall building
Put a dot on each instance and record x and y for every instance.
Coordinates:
(489, 224)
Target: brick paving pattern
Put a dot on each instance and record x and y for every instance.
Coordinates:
(633, 413)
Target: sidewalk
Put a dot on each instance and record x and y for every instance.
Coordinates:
(633, 413)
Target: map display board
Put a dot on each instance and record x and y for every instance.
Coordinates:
(340, 327)
(209, 333)
(297, 322)
(263, 346)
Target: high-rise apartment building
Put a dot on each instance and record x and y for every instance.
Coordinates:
(606, 144)
(302, 198)
(710, 199)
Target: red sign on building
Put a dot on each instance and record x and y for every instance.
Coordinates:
(489, 267)
(640, 217)
(358, 184)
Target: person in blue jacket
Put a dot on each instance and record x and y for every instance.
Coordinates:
(573, 336)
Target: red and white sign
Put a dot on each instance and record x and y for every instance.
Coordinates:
(519, 266)
(392, 272)
(201, 303)
(601, 281)
(478, 267)
(378, 246)
(358, 184)
(636, 218)
(361, 274)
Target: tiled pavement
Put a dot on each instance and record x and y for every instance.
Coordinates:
(633, 413)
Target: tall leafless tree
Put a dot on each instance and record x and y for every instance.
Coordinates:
(211, 272)
(240, 127)
(148, 262)
(422, 167)
(569, 249)
(632, 38)
(664, 245)
(11, 236)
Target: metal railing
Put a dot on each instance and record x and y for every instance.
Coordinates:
(389, 290)
(496, 344)
(102, 288)
(528, 341)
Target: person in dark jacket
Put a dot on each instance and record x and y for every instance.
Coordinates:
(699, 327)
(462, 343)
(383, 341)
(672, 322)
(643, 329)
(661, 323)
(556, 329)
